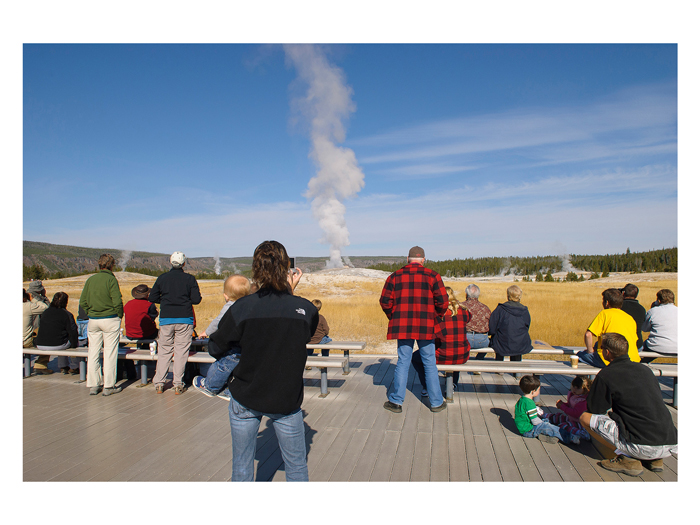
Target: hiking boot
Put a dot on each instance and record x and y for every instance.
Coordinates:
(392, 407)
(439, 408)
(623, 465)
(198, 384)
(656, 465)
(45, 371)
(179, 389)
(476, 373)
(110, 391)
(160, 387)
(74, 371)
(95, 390)
(64, 370)
(547, 439)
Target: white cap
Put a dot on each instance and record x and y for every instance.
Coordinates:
(177, 259)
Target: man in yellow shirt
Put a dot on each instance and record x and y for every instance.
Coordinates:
(610, 320)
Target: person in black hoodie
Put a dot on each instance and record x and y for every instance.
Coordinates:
(639, 428)
(58, 331)
(272, 327)
(509, 327)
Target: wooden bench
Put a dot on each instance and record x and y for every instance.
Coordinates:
(143, 356)
(540, 367)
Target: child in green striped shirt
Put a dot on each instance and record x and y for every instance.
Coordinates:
(530, 419)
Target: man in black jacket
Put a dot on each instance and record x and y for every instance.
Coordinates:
(176, 292)
(632, 307)
(639, 428)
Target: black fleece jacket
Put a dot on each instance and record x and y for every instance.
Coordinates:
(633, 393)
(272, 329)
(176, 292)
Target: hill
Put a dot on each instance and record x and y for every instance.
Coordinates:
(58, 261)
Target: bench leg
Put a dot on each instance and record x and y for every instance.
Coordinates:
(675, 393)
(324, 382)
(449, 387)
(82, 366)
(27, 365)
(346, 366)
(144, 374)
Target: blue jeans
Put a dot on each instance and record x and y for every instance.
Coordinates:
(426, 348)
(478, 341)
(289, 429)
(591, 359)
(549, 429)
(323, 341)
(220, 371)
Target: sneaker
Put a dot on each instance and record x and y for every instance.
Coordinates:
(574, 439)
(179, 389)
(623, 465)
(64, 370)
(476, 373)
(439, 408)
(392, 407)
(656, 465)
(74, 371)
(547, 439)
(110, 391)
(198, 384)
(95, 390)
(160, 387)
(224, 394)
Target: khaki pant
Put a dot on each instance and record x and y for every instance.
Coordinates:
(103, 333)
(174, 341)
(42, 361)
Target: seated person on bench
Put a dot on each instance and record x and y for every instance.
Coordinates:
(661, 322)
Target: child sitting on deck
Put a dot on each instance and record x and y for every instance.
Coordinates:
(572, 408)
(322, 331)
(235, 287)
(530, 419)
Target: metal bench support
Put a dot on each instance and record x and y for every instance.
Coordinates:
(324, 382)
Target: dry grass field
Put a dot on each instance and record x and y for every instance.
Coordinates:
(560, 311)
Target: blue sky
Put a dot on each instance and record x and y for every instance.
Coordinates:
(467, 150)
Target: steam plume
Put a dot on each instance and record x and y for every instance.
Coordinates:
(126, 255)
(217, 266)
(327, 105)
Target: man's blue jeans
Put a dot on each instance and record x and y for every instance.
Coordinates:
(591, 359)
(220, 371)
(426, 347)
(549, 429)
(478, 341)
(289, 429)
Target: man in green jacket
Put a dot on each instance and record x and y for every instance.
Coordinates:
(102, 300)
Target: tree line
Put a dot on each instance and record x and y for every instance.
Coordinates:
(664, 260)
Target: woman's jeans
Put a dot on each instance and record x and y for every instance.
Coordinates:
(428, 371)
(63, 361)
(289, 429)
(591, 359)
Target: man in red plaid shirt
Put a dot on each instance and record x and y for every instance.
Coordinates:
(411, 298)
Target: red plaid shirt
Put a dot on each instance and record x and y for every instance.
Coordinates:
(411, 298)
(451, 345)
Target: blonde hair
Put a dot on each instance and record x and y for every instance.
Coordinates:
(514, 293)
(454, 303)
(317, 304)
(236, 286)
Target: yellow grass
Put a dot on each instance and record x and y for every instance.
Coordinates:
(560, 312)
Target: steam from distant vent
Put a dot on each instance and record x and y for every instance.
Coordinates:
(326, 105)
(126, 255)
(347, 261)
(217, 266)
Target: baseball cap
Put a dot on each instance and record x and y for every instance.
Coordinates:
(177, 259)
(416, 251)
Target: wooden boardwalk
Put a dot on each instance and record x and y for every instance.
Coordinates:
(137, 435)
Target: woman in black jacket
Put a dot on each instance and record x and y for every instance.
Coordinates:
(509, 327)
(58, 331)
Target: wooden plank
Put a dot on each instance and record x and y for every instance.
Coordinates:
(388, 453)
